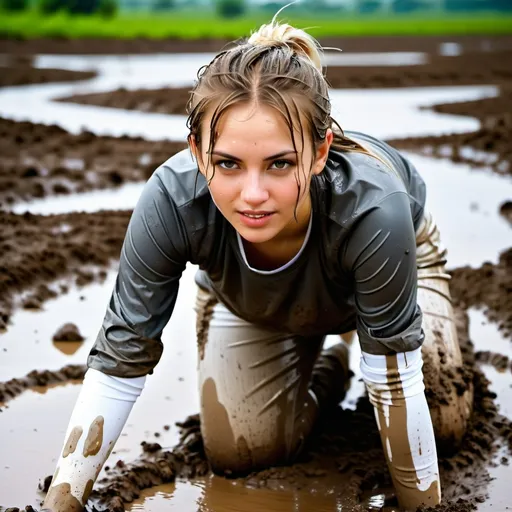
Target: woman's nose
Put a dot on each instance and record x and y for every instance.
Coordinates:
(254, 191)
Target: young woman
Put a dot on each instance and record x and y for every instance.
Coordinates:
(299, 231)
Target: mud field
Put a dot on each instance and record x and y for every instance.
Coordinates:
(65, 200)
(19, 70)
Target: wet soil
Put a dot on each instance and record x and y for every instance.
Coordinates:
(344, 453)
(18, 70)
(506, 211)
(345, 445)
(68, 332)
(14, 387)
(489, 288)
(35, 251)
(471, 69)
(429, 44)
(491, 144)
(38, 160)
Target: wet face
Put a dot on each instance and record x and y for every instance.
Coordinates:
(256, 173)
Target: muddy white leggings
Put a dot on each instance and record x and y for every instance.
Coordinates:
(255, 386)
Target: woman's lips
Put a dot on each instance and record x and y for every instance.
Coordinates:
(255, 219)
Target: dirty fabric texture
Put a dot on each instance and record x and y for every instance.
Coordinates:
(361, 248)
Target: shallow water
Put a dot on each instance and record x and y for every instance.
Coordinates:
(33, 425)
(381, 112)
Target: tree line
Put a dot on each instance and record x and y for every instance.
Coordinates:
(237, 8)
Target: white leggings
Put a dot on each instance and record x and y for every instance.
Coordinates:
(254, 383)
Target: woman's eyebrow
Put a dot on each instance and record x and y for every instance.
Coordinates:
(271, 157)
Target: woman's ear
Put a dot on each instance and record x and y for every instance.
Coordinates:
(322, 152)
(192, 144)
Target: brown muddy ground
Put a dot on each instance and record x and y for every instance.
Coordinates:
(345, 447)
(467, 69)
(36, 251)
(38, 160)
(495, 114)
(19, 70)
(428, 44)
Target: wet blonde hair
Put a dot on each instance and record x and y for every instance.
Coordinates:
(280, 66)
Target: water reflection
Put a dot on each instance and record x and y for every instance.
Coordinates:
(214, 494)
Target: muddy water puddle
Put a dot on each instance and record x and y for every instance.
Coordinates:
(32, 426)
(215, 494)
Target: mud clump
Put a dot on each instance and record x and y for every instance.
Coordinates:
(39, 160)
(68, 332)
(124, 482)
(163, 101)
(19, 70)
(506, 211)
(14, 387)
(488, 287)
(499, 361)
(38, 250)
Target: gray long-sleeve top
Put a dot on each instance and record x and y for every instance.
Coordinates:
(357, 268)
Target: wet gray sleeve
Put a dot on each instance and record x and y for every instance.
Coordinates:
(381, 257)
(153, 257)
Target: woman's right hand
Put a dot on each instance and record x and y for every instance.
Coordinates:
(97, 420)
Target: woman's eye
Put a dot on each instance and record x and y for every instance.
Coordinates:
(282, 164)
(227, 164)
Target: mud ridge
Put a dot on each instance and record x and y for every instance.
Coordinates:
(488, 287)
(14, 387)
(19, 70)
(416, 43)
(471, 69)
(37, 250)
(488, 147)
(38, 160)
(501, 362)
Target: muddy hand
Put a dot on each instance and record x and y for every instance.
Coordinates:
(99, 416)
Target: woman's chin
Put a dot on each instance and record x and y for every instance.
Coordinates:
(255, 236)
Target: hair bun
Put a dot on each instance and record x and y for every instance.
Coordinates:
(299, 42)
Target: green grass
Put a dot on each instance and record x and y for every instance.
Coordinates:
(184, 26)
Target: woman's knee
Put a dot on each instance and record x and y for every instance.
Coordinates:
(238, 442)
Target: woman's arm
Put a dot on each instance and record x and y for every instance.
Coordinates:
(128, 346)
(381, 256)
(98, 418)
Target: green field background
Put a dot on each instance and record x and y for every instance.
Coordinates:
(186, 25)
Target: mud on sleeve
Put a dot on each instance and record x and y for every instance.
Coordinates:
(381, 257)
(153, 257)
